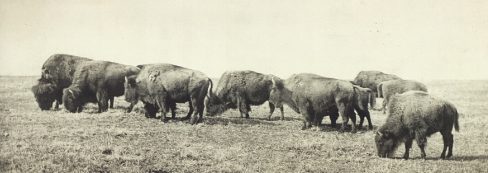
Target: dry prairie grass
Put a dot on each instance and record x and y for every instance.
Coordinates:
(32, 140)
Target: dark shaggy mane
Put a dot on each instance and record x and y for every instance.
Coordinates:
(43, 87)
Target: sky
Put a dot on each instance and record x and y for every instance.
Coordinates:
(414, 39)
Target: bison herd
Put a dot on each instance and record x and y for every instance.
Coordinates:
(412, 113)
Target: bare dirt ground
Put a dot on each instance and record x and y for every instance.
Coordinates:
(32, 140)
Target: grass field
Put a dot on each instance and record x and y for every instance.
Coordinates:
(56, 141)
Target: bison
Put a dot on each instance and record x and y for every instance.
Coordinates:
(161, 86)
(239, 90)
(371, 79)
(96, 81)
(416, 115)
(314, 96)
(57, 74)
(388, 88)
(360, 103)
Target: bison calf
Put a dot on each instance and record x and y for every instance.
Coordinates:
(416, 115)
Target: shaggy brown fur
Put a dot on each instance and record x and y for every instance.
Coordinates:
(161, 86)
(241, 89)
(361, 101)
(416, 115)
(102, 80)
(371, 79)
(388, 88)
(45, 94)
(314, 96)
(57, 74)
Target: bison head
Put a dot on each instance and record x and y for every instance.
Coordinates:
(71, 99)
(386, 144)
(215, 106)
(45, 93)
(131, 90)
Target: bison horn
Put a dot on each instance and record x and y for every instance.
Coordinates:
(379, 133)
(71, 91)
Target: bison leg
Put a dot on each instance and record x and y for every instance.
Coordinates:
(131, 106)
(190, 112)
(448, 142)
(244, 108)
(318, 119)
(150, 110)
(172, 106)
(162, 104)
(200, 112)
(308, 115)
(200, 106)
(370, 124)
(421, 142)
(56, 105)
(271, 110)
(451, 144)
(333, 118)
(111, 102)
(102, 98)
(80, 109)
(282, 113)
(408, 145)
(346, 113)
(366, 114)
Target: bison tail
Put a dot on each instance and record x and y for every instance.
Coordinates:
(456, 122)
(452, 111)
(210, 87)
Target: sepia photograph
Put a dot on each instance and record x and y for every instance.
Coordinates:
(160, 86)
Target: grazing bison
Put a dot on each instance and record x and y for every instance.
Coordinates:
(416, 115)
(314, 96)
(240, 89)
(57, 74)
(161, 86)
(371, 79)
(361, 101)
(96, 81)
(388, 88)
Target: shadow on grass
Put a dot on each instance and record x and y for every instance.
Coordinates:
(337, 127)
(465, 158)
(278, 118)
(453, 158)
(235, 120)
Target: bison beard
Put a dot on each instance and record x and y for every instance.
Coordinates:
(45, 94)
